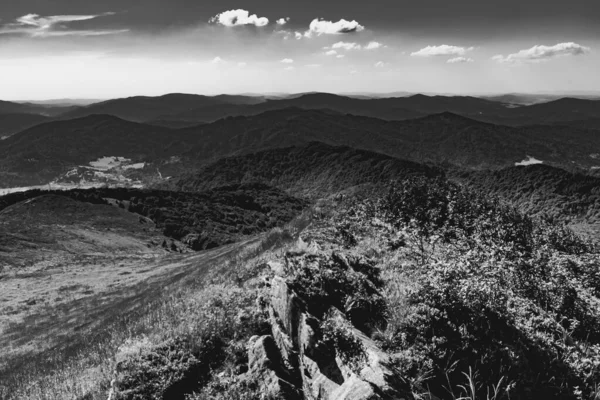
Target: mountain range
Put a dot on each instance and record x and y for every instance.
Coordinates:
(44, 152)
(179, 110)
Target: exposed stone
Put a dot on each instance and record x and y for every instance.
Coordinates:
(266, 367)
(297, 336)
(355, 389)
(376, 370)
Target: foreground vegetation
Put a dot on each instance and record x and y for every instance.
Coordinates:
(482, 301)
(468, 298)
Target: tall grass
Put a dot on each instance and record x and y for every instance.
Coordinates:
(83, 366)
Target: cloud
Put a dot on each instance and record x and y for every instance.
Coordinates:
(346, 46)
(320, 27)
(340, 56)
(290, 68)
(287, 61)
(217, 60)
(542, 53)
(443, 50)
(374, 46)
(242, 64)
(331, 53)
(457, 60)
(380, 64)
(282, 21)
(313, 65)
(237, 18)
(354, 46)
(56, 25)
(298, 35)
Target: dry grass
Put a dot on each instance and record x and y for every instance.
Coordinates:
(82, 336)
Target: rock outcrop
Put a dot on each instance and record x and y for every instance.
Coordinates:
(298, 345)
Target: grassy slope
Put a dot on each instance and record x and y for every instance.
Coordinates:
(78, 341)
(201, 220)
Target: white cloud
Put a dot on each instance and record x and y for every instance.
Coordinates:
(331, 53)
(237, 18)
(242, 64)
(443, 50)
(313, 65)
(380, 64)
(457, 60)
(55, 25)
(543, 53)
(298, 35)
(217, 60)
(346, 46)
(340, 56)
(354, 46)
(373, 46)
(282, 21)
(287, 61)
(320, 27)
(289, 68)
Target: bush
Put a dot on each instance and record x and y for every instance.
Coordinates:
(324, 282)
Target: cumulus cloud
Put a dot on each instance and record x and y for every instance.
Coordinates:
(237, 18)
(340, 56)
(458, 60)
(380, 64)
(443, 50)
(331, 53)
(354, 46)
(313, 65)
(543, 53)
(320, 27)
(287, 61)
(289, 68)
(373, 46)
(217, 60)
(56, 25)
(282, 21)
(298, 35)
(346, 46)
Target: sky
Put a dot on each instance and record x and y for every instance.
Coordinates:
(116, 48)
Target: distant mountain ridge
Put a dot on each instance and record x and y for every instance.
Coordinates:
(40, 153)
(180, 109)
(15, 123)
(177, 110)
(145, 108)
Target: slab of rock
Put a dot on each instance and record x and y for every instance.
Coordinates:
(297, 338)
(355, 389)
(265, 367)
